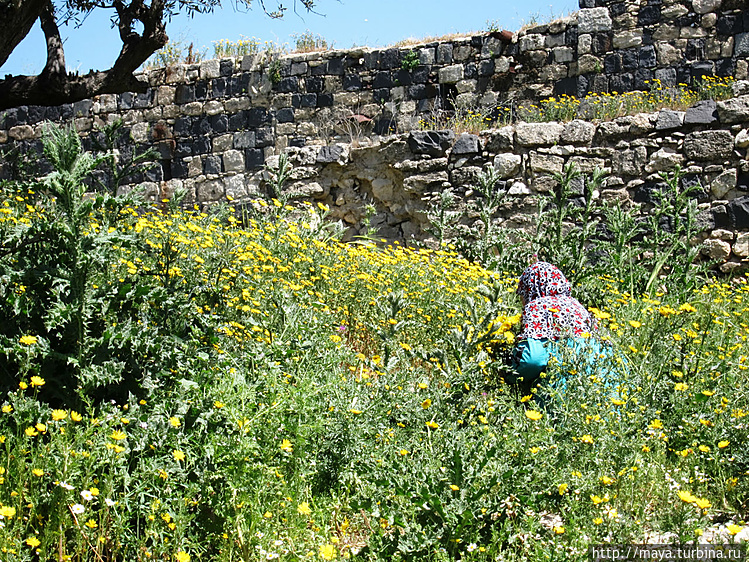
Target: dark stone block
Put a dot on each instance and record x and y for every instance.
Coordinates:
(212, 164)
(390, 58)
(324, 100)
(721, 218)
(83, 108)
(298, 142)
(645, 193)
(683, 75)
(433, 143)
(296, 101)
(703, 112)
(126, 100)
(382, 80)
(424, 106)
(218, 87)
(466, 144)
(288, 85)
(201, 90)
(612, 63)
(335, 66)
(403, 78)
(702, 68)
(444, 53)
(601, 43)
(648, 57)
(649, 15)
(285, 115)
(264, 137)
(643, 77)
(372, 60)
(384, 126)
(738, 210)
(318, 70)
(257, 117)
(36, 113)
(179, 169)
(725, 67)
(566, 87)
(226, 67)
(201, 145)
(53, 113)
(570, 36)
(742, 182)
(617, 9)
(422, 91)
(630, 59)
(647, 37)
(309, 100)
(420, 75)
(587, 4)
(201, 126)
(244, 139)
(66, 111)
(470, 71)
(155, 174)
(253, 158)
(582, 86)
(477, 41)
(240, 84)
(695, 49)
(185, 93)
(689, 20)
(182, 149)
(351, 82)
(143, 100)
(238, 121)
(315, 84)
(486, 67)
(621, 83)
(382, 95)
(219, 123)
(329, 154)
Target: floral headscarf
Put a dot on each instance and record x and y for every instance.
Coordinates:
(550, 310)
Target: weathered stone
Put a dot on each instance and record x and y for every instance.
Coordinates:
(741, 45)
(593, 20)
(545, 163)
(735, 110)
(433, 143)
(538, 134)
(332, 153)
(21, 132)
(630, 162)
(705, 6)
(718, 250)
(722, 234)
(627, 39)
(466, 144)
(507, 164)
(531, 42)
(703, 112)
(741, 245)
(724, 183)
(210, 69)
(742, 139)
(435, 181)
(382, 189)
(451, 74)
(738, 212)
(518, 188)
(578, 132)
(663, 160)
(211, 190)
(708, 145)
(589, 64)
(669, 119)
(233, 161)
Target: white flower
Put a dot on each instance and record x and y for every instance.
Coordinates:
(65, 485)
(87, 495)
(471, 547)
(77, 509)
(110, 502)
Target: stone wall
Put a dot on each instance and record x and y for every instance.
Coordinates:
(217, 123)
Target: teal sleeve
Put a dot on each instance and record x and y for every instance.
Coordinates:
(531, 358)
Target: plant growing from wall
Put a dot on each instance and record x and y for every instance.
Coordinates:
(410, 61)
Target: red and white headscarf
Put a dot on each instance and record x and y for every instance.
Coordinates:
(550, 311)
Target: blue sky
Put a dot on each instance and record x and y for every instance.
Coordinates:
(344, 22)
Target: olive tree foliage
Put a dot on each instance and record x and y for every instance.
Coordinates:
(142, 29)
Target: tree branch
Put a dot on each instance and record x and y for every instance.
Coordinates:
(55, 66)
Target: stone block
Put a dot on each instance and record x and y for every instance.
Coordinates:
(210, 69)
(451, 74)
(563, 54)
(507, 164)
(724, 183)
(664, 160)
(593, 20)
(466, 144)
(735, 110)
(541, 164)
(738, 212)
(578, 132)
(741, 245)
(233, 161)
(702, 113)
(538, 134)
(705, 6)
(531, 42)
(708, 145)
(627, 39)
(433, 143)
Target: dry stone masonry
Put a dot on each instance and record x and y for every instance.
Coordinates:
(349, 118)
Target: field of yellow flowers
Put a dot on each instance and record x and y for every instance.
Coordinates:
(178, 385)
